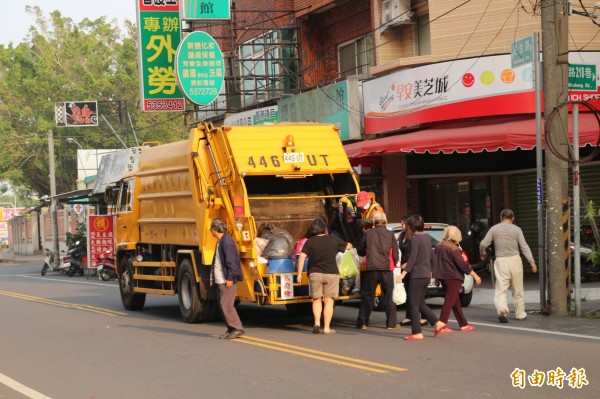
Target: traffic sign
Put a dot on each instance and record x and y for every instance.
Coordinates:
(200, 69)
(521, 52)
(582, 77)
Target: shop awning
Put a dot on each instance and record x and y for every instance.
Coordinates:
(507, 134)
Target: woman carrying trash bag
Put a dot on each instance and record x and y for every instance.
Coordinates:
(449, 268)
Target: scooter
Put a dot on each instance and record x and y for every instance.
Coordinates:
(589, 270)
(77, 252)
(63, 265)
(106, 267)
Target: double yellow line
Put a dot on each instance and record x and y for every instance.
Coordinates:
(87, 308)
(323, 356)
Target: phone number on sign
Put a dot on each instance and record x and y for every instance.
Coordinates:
(203, 91)
(164, 105)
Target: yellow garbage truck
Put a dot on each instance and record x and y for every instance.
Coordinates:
(281, 175)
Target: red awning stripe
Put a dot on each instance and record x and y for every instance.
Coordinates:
(507, 134)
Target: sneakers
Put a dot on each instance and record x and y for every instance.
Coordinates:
(234, 334)
(361, 326)
(226, 333)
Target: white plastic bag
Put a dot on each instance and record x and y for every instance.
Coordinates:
(399, 293)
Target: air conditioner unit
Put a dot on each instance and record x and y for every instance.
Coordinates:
(395, 12)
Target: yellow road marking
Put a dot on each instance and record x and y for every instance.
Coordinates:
(324, 356)
(87, 308)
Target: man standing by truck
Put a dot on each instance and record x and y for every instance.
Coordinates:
(226, 271)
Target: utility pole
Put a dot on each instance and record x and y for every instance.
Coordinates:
(53, 200)
(555, 50)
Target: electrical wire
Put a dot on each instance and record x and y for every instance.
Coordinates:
(549, 140)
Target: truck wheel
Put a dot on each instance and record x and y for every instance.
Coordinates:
(191, 307)
(465, 299)
(130, 300)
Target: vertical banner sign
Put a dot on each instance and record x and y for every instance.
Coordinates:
(200, 69)
(158, 37)
(101, 237)
(202, 9)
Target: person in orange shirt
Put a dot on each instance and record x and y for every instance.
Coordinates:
(368, 208)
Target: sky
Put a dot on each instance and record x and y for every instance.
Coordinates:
(15, 21)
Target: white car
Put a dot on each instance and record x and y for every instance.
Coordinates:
(435, 232)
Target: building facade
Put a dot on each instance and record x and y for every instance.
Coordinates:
(434, 116)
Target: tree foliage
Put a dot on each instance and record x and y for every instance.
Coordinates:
(61, 61)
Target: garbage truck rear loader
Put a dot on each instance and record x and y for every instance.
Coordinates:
(283, 175)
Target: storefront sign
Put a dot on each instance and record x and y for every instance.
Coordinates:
(101, 237)
(459, 89)
(202, 9)
(255, 117)
(159, 36)
(338, 104)
(200, 69)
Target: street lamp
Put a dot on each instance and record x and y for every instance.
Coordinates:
(71, 140)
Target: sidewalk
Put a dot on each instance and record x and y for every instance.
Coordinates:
(483, 295)
(9, 258)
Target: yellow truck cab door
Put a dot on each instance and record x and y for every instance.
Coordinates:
(126, 229)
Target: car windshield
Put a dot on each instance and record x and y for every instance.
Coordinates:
(436, 235)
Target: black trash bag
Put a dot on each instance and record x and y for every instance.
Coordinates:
(281, 243)
(346, 285)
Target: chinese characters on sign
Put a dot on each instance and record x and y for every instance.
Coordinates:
(76, 113)
(101, 236)
(202, 9)
(200, 69)
(159, 36)
(287, 286)
(557, 378)
(582, 77)
(255, 117)
(521, 52)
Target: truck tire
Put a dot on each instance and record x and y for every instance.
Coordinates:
(130, 300)
(465, 299)
(191, 307)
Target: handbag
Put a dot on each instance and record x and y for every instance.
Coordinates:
(399, 293)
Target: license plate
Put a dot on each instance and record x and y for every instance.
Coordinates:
(293, 157)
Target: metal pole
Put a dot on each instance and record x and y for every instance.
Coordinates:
(576, 211)
(537, 69)
(53, 200)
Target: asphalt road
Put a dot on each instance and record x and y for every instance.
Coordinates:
(70, 338)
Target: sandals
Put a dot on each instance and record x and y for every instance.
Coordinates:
(330, 332)
(316, 329)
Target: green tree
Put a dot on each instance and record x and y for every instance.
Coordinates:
(94, 60)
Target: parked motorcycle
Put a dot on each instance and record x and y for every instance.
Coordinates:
(63, 265)
(77, 252)
(106, 266)
(588, 269)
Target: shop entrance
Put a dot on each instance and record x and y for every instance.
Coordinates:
(461, 203)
